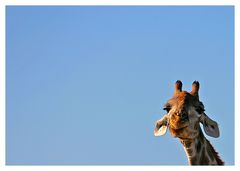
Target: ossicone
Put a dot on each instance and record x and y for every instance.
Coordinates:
(195, 88)
(178, 87)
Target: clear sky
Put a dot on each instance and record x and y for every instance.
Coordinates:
(85, 85)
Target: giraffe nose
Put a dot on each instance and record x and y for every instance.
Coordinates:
(183, 116)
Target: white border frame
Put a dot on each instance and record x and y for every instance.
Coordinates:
(3, 5)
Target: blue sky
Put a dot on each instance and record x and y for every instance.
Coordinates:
(85, 85)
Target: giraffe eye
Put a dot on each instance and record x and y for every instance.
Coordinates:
(167, 109)
(200, 110)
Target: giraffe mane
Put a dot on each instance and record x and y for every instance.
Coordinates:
(215, 153)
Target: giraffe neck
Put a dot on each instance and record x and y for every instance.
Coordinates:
(200, 152)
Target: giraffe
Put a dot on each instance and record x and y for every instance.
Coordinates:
(184, 114)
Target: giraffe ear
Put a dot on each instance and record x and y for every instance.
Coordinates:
(210, 127)
(161, 126)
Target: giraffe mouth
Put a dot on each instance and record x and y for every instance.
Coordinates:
(180, 128)
(179, 131)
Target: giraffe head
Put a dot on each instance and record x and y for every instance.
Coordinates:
(184, 115)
